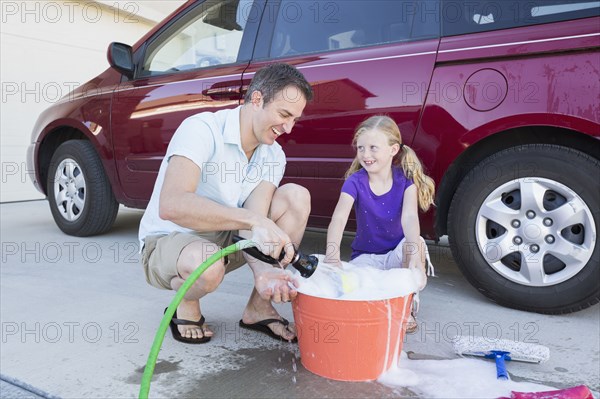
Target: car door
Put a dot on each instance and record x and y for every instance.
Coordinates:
(361, 58)
(194, 64)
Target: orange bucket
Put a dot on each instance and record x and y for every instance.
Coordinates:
(350, 340)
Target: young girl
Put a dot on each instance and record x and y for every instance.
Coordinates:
(386, 185)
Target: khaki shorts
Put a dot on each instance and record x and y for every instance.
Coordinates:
(161, 252)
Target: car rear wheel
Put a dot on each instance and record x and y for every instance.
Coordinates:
(523, 228)
(80, 196)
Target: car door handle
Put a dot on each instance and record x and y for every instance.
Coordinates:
(226, 92)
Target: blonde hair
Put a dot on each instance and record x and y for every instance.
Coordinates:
(406, 157)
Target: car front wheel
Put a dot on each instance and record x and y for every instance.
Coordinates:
(523, 228)
(79, 193)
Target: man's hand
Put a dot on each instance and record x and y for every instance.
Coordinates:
(274, 284)
(271, 240)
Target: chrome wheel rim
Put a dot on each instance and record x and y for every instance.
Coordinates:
(69, 189)
(535, 232)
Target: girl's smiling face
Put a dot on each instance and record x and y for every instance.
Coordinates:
(374, 152)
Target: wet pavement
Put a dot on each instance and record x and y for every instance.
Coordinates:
(78, 320)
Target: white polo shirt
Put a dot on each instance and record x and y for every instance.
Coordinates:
(212, 141)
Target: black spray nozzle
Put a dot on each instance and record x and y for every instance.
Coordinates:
(305, 264)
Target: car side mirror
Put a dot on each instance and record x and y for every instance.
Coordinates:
(120, 57)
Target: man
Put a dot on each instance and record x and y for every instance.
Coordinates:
(220, 175)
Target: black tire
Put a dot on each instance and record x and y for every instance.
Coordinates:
(552, 265)
(80, 196)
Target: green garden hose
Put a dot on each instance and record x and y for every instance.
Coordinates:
(166, 320)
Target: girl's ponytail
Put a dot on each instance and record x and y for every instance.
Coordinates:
(413, 170)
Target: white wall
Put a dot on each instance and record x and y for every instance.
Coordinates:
(46, 49)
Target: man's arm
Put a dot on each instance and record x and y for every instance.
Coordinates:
(180, 204)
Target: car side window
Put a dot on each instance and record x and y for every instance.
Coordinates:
(208, 35)
(304, 27)
(462, 17)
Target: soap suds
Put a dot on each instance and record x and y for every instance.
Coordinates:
(359, 283)
(456, 378)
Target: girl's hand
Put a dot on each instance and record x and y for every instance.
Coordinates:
(418, 267)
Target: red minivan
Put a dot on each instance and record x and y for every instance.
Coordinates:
(500, 99)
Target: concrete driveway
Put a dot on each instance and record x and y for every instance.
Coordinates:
(78, 320)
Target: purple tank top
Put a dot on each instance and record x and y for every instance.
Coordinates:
(378, 226)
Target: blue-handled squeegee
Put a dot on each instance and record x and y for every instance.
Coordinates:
(501, 350)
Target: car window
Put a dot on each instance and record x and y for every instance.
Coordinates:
(460, 17)
(208, 35)
(304, 27)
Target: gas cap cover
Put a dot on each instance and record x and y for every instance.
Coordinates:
(485, 90)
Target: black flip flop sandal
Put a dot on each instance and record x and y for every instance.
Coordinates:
(263, 327)
(182, 322)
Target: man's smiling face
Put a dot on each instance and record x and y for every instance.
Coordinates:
(278, 116)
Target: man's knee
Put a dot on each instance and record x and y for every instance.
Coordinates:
(194, 255)
(297, 198)
(212, 277)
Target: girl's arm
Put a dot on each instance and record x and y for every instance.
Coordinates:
(336, 228)
(410, 216)
(413, 250)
